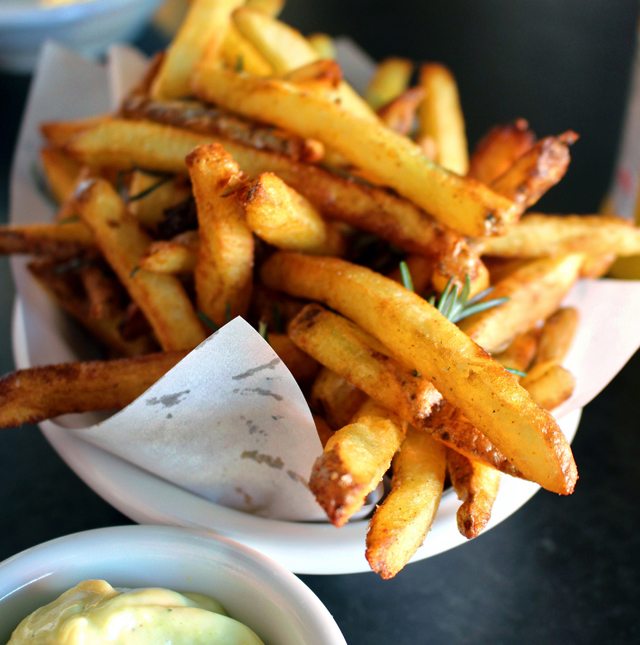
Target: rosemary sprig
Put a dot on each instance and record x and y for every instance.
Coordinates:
(227, 311)
(207, 321)
(262, 329)
(407, 282)
(150, 189)
(516, 372)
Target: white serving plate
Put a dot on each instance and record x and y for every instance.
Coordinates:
(302, 547)
(258, 592)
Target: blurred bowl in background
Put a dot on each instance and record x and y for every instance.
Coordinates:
(88, 26)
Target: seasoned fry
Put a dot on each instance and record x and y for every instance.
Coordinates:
(549, 384)
(61, 172)
(476, 486)
(39, 393)
(224, 268)
(178, 255)
(335, 398)
(521, 351)
(122, 241)
(537, 170)
(499, 150)
(286, 49)
(557, 335)
(203, 30)
(238, 52)
(282, 217)
(268, 7)
(596, 266)
(535, 291)
(59, 133)
(303, 368)
(440, 118)
(103, 292)
(537, 235)
(390, 80)
(354, 461)
(323, 45)
(401, 524)
(419, 336)
(323, 77)
(400, 113)
(462, 204)
(60, 240)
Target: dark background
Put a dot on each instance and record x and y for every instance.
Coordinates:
(561, 570)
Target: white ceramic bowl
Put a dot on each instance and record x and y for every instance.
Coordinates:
(88, 26)
(281, 609)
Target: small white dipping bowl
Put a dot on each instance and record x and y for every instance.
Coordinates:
(88, 26)
(258, 592)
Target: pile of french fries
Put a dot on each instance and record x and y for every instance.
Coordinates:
(245, 177)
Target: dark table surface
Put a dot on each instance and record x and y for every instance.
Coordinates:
(560, 570)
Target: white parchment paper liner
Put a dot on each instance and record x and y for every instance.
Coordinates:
(229, 422)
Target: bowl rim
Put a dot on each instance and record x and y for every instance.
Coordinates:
(291, 593)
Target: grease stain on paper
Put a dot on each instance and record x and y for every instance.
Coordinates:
(167, 400)
(272, 462)
(271, 365)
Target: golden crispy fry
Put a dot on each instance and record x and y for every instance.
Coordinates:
(440, 118)
(462, 204)
(476, 486)
(178, 255)
(323, 77)
(549, 384)
(210, 119)
(359, 358)
(66, 290)
(150, 195)
(501, 268)
(537, 235)
(303, 368)
(324, 431)
(499, 149)
(59, 133)
(540, 168)
(596, 266)
(535, 291)
(419, 336)
(286, 49)
(124, 144)
(239, 53)
(61, 172)
(521, 351)
(103, 292)
(354, 461)
(282, 217)
(323, 45)
(557, 335)
(39, 393)
(60, 240)
(203, 30)
(401, 524)
(268, 7)
(335, 398)
(122, 241)
(400, 113)
(450, 265)
(224, 269)
(390, 80)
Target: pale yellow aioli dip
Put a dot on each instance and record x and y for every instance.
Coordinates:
(95, 613)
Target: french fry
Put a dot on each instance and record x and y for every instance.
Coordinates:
(268, 7)
(400, 113)
(323, 77)
(462, 204)
(61, 240)
(549, 384)
(356, 356)
(521, 351)
(391, 79)
(440, 118)
(596, 266)
(303, 368)
(420, 270)
(39, 393)
(535, 291)
(322, 45)
(286, 49)
(59, 284)
(282, 217)
(224, 269)
(537, 235)
(178, 255)
(323, 429)
(557, 335)
(335, 398)
(419, 336)
(354, 460)
(476, 486)
(540, 168)
(499, 150)
(203, 30)
(59, 133)
(61, 172)
(238, 52)
(401, 524)
(122, 241)
(103, 293)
